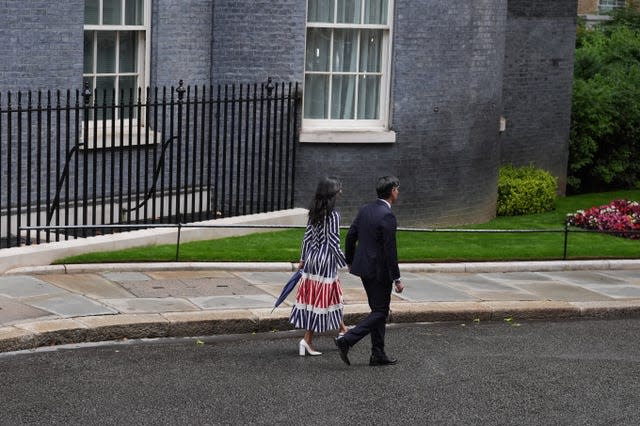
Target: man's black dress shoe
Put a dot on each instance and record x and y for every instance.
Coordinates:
(343, 348)
(382, 361)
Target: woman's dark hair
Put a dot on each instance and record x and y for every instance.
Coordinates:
(324, 200)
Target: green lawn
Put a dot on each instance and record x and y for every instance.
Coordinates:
(415, 246)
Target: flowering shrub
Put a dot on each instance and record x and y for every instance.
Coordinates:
(619, 215)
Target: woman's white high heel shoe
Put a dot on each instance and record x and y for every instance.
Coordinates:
(304, 347)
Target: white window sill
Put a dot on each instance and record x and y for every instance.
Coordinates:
(350, 136)
(120, 139)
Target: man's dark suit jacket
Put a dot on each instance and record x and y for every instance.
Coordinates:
(374, 229)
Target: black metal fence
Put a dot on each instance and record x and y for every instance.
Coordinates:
(153, 156)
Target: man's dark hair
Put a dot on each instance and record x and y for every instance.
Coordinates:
(385, 186)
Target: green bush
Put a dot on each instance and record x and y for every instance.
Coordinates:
(525, 190)
(604, 144)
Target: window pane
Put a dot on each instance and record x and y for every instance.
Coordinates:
(348, 12)
(91, 12)
(375, 12)
(345, 44)
(129, 94)
(88, 52)
(106, 51)
(128, 51)
(134, 12)
(320, 11)
(111, 12)
(368, 96)
(318, 48)
(316, 96)
(343, 95)
(370, 50)
(104, 95)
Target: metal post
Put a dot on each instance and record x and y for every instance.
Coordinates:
(86, 94)
(566, 237)
(178, 243)
(180, 90)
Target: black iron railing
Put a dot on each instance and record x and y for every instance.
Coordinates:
(156, 156)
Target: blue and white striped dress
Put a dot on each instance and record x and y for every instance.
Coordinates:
(319, 305)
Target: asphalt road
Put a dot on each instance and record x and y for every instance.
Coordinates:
(518, 373)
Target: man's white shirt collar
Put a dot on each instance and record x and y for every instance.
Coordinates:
(385, 201)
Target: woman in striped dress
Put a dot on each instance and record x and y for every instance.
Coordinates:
(319, 305)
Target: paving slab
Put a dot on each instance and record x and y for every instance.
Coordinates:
(178, 275)
(352, 295)
(90, 285)
(515, 294)
(630, 276)
(561, 291)
(12, 310)
(70, 305)
(585, 277)
(429, 291)
(146, 305)
(122, 319)
(615, 291)
(469, 282)
(126, 276)
(26, 286)
(222, 286)
(12, 333)
(190, 287)
(280, 278)
(51, 325)
(516, 276)
(350, 281)
(260, 277)
(477, 287)
(234, 302)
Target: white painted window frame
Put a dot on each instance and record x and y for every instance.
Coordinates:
(143, 59)
(357, 130)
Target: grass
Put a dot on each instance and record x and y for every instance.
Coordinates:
(415, 246)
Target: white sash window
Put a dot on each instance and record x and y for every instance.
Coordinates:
(116, 49)
(347, 63)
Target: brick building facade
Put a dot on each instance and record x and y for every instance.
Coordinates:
(455, 72)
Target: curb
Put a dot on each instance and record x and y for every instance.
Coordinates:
(468, 267)
(28, 336)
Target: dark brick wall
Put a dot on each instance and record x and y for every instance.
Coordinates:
(181, 42)
(252, 42)
(538, 75)
(453, 76)
(448, 59)
(41, 44)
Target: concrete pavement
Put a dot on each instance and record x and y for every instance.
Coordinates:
(42, 306)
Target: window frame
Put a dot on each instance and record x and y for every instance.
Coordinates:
(610, 6)
(143, 60)
(353, 130)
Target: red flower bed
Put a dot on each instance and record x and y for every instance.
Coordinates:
(619, 215)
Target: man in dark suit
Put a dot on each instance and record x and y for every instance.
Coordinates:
(375, 261)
